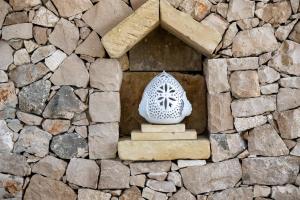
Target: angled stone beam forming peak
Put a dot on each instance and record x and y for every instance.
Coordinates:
(132, 29)
(195, 34)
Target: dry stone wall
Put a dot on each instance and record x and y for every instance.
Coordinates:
(60, 102)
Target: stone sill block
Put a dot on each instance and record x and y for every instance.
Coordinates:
(164, 150)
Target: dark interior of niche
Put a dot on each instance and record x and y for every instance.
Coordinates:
(161, 51)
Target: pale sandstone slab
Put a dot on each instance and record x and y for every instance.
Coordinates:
(164, 150)
(216, 22)
(187, 135)
(288, 98)
(201, 37)
(132, 30)
(267, 75)
(106, 14)
(269, 89)
(215, 71)
(254, 42)
(68, 8)
(173, 128)
(161, 186)
(153, 167)
(240, 9)
(289, 124)
(17, 31)
(212, 177)
(219, 113)
(91, 46)
(88, 194)
(270, 170)
(190, 163)
(242, 63)
(242, 124)
(253, 106)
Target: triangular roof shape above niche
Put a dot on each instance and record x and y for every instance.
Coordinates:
(149, 16)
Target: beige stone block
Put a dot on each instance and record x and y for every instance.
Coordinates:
(187, 135)
(132, 29)
(201, 37)
(164, 150)
(150, 128)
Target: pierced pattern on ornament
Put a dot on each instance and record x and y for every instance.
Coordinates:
(164, 95)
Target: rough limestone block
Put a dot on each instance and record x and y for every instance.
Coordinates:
(187, 135)
(182, 25)
(132, 29)
(164, 150)
(149, 128)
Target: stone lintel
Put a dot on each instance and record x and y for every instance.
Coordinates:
(197, 35)
(132, 29)
(150, 128)
(164, 150)
(186, 135)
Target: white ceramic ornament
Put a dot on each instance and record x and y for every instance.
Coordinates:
(164, 101)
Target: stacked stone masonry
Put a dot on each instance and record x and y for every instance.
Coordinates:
(60, 103)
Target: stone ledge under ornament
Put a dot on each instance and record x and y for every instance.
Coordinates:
(164, 150)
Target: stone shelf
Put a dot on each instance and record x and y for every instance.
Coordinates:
(164, 150)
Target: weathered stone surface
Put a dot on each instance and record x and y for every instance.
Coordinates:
(199, 36)
(106, 14)
(64, 104)
(16, 18)
(244, 84)
(7, 55)
(288, 98)
(219, 113)
(11, 186)
(295, 34)
(269, 89)
(40, 35)
(20, 5)
(45, 17)
(160, 176)
(288, 192)
(190, 163)
(244, 193)
(29, 119)
(44, 188)
(230, 34)
(175, 177)
(164, 150)
(285, 59)
(242, 124)
(225, 146)
(152, 167)
(6, 138)
(69, 145)
(215, 22)
(3, 77)
(103, 140)
(212, 177)
(296, 150)
(65, 36)
(289, 124)
(114, 175)
(17, 31)
(42, 52)
(26, 74)
(161, 50)
(72, 71)
(69, 8)
(269, 170)
(88, 194)
(91, 46)
(56, 126)
(240, 9)
(290, 82)
(253, 106)
(4, 10)
(51, 167)
(32, 98)
(133, 29)
(261, 191)
(186, 135)
(21, 57)
(53, 61)
(34, 141)
(194, 86)
(254, 42)
(265, 141)
(274, 13)
(242, 63)
(215, 71)
(131, 193)
(151, 194)
(8, 98)
(283, 32)
(138, 180)
(14, 164)
(83, 172)
(267, 75)
(105, 107)
(106, 75)
(161, 186)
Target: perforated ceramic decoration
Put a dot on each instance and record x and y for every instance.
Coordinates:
(164, 101)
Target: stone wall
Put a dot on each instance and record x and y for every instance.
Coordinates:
(60, 104)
